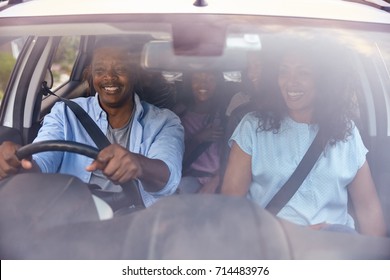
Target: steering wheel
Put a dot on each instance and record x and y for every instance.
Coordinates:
(130, 197)
(57, 145)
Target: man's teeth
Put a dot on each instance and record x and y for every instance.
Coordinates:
(110, 88)
(294, 93)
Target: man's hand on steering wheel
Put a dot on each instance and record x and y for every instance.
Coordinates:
(9, 162)
(117, 164)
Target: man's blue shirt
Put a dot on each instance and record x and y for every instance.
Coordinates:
(155, 133)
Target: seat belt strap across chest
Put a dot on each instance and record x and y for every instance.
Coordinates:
(289, 188)
(90, 126)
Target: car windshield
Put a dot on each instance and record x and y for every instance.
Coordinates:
(217, 109)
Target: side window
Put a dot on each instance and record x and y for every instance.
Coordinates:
(64, 59)
(9, 52)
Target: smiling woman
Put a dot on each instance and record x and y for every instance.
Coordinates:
(311, 75)
(296, 83)
(203, 121)
(268, 144)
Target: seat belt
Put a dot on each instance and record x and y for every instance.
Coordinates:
(199, 149)
(132, 196)
(311, 156)
(202, 147)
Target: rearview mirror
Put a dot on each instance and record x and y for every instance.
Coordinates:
(160, 56)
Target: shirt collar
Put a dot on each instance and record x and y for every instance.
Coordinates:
(98, 111)
(139, 109)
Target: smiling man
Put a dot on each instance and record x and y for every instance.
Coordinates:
(147, 142)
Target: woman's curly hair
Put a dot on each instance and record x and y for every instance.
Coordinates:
(335, 106)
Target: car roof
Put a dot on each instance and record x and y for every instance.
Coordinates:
(320, 9)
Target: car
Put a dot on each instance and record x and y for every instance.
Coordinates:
(46, 48)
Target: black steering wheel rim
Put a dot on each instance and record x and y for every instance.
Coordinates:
(57, 145)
